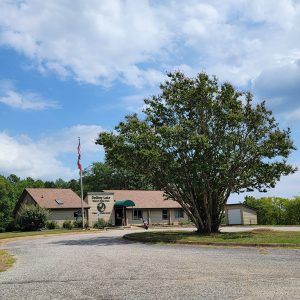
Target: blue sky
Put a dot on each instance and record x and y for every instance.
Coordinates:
(75, 68)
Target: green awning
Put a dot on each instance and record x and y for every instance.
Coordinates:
(124, 203)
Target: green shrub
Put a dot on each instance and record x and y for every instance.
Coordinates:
(32, 217)
(52, 225)
(185, 222)
(68, 224)
(13, 226)
(7, 223)
(101, 223)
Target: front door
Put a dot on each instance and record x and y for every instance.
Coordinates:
(120, 215)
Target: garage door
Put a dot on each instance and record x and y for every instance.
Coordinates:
(234, 216)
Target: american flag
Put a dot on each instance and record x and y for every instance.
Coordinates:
(79, 155)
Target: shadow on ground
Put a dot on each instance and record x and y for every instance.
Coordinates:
(99, 241)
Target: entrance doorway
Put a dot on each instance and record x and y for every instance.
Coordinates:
(120, 216)
(120, 211)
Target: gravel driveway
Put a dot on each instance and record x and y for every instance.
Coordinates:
(104, 266)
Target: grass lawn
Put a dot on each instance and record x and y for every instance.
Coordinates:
(7, 235)
(255, 237)
(6, 260)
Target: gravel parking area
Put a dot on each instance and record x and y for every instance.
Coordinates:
(104, 266)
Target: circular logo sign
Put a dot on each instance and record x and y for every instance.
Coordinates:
(101, 207)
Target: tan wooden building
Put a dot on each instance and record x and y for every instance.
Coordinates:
(63, 204)
(121, 207)
(130, 207)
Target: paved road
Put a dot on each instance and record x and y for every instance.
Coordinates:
(104, 266)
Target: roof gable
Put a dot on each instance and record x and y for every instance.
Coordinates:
(55, 198)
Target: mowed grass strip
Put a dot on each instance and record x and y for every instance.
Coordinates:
(6, 260)
(254, 238)
(8, 235)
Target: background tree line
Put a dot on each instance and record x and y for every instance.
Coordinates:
(275, 210)
(97, 177)
(101, 176)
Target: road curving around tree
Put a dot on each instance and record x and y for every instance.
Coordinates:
(105, 266)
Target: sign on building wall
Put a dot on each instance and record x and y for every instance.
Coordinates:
(102, 207)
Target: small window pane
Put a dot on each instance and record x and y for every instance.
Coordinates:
(165, 214)
(179, 213)
(137, 214)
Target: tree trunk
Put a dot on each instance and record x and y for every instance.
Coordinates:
(211, 224)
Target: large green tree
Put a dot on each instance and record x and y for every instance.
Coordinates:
(102, 176)
(200, 142)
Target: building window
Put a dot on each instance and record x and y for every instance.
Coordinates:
(137, 214)
(165, 214)
(179, 213)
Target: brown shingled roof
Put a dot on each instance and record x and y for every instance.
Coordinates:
(144, 199)
(46, 198)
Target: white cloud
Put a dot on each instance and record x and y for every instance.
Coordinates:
(95, 41)
(29, 160)
(136, 42)
(237, 40)
(287, 187)
(26, 101)
(294, 115)
(134, 103)
(23, 100)
(66, 140)
(280, 85)
(141, 78)
(41, 159)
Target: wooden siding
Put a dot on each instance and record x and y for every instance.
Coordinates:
(155, 217)
(28, 200)
(63, 214)
(249, 216)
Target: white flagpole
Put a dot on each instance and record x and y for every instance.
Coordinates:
(81, 189)
(82, 209)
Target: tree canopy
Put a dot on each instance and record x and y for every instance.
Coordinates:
(201, 141)
(102, 176)
(275, 210)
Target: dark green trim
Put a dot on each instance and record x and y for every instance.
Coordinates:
(124, 203)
